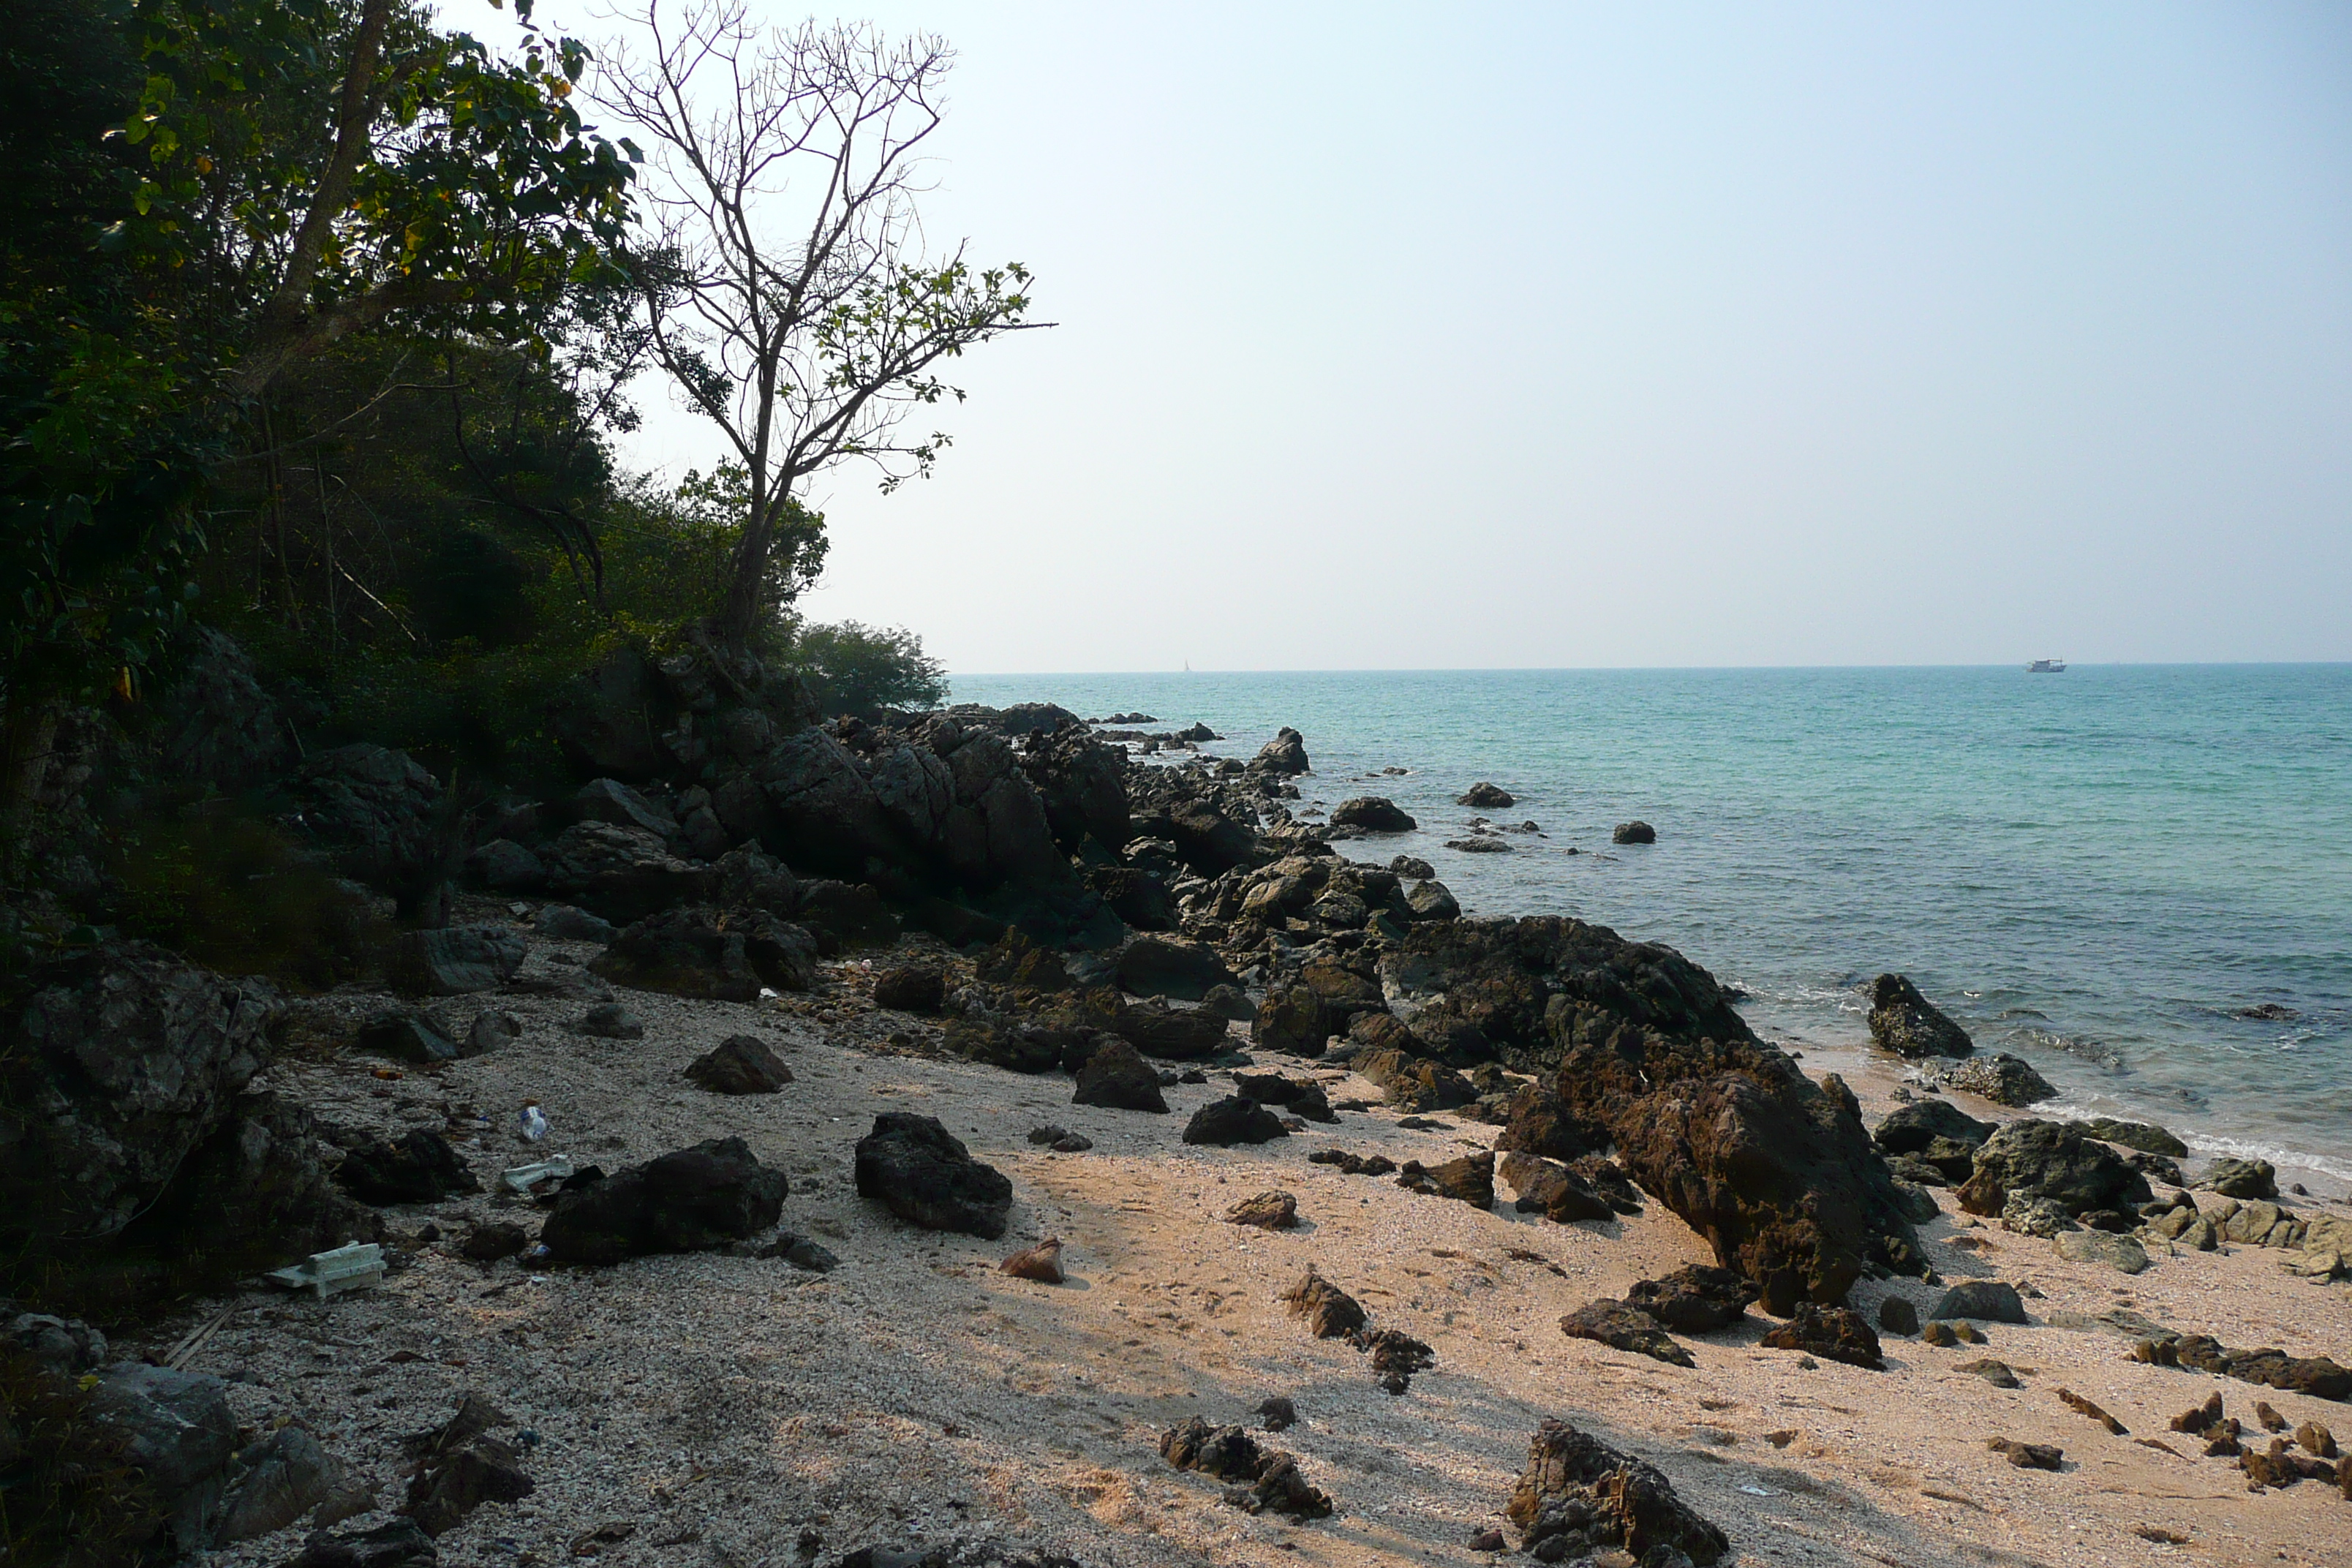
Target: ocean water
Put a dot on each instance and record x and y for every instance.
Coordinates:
(2100, 871)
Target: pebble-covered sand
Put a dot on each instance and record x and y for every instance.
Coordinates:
(733, 1411)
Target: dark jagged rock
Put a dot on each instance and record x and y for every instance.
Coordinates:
(461, 1466)
(926, 1176)
(1208, 841)
(1374, 814)
(1909, 1129)
(1469, 1179)
(1292, 1019)
(1541, 1123)
(563, 922)
(1280, 1413)
(1579, 1496)
(1234, 1120)
(742, 1064)
(1353, 1164)
(610, 800)
(622, 874)
(694, 1200)
(1620, 1326)
(1395, 1356)
(1172, 967)
(910, 988)
(2318, 1376)
(1994, 1301)
(382, 819)
(1549, 1188)
(1694, 1299)
(1609, 1179)
(1411, 1083)
(1080, 782)
(453, 961)
(1330, 1312)
(845, 915)
(1117, 1076)
(489, 1243)
(2053, 1163)
(418, 1167)
(1835, 1333)
(1633, 833)
(1908, 1024)
(178, 1429)
(721, 955)
(1172, 1034)
(1262, 1480)
(275, 1482)
(1487, 797)
(2002, 1079)
(1429, 900)
(1135, 896)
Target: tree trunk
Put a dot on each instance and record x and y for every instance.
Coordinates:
(28, 732)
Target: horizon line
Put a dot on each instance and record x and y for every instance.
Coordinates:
(2072, 665)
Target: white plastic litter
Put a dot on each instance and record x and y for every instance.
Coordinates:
(522, 1178)
(531, 1121)
(357, 1266)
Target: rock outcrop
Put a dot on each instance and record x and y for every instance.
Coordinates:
(925, 1175)
(1579, 1496)
(1908, 1024)
(694, 1200)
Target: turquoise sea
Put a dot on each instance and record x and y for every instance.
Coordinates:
(2101, 870)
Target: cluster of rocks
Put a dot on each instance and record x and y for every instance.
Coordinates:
(2275, 1465)
(1579, 1497)
(1697, 1299)
(1257, 1479)
(1332, 1314)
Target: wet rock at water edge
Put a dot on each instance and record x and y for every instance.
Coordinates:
(1620, 1326)
(1234, 1120)
(742, 1064)
(692, 1200)
(2053, 1162)
(2143, 1136)
(1374, 814)
(2002, 1079)
(1579, 1496)
(1633, 833)
(1908, 1024)
(1910, 1128)
(2234, 1178)
(925, 1175)
(1483, 797)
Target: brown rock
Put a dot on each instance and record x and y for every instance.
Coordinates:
(1836, 1332)
(1470, 1179)
(1042, 1262)
(1621, 1327)
(1584, 1496)
(1267, 1211)
(1330, 1312)
(2029, 1456)
(2271, 1419)
(2317, 1439)
(1395, 1356)
(2075, 1402)
(2202, 1419)
(1695, 1299)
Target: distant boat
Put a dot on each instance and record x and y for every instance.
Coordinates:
(2046, 667)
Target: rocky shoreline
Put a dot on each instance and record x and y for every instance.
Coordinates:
(977, 1139)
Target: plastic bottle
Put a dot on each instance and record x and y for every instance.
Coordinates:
(531, 1122)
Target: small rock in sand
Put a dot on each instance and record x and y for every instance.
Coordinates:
(1621, 1327)
(1280, 1413)
(1996, 1372)
(1234, 1120)
(1267, 1211)
(1329, 1311)
(2081, 1405)
(1117, 1077)
(2029, 1456)
(1896, 1315)
(1697, 1299)
(489, 1243)
(742, 1064)
(1837, 1332)
(610, 1022)
(1994, 1301)
(1042, 1262)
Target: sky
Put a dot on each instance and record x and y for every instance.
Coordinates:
(1494, 336)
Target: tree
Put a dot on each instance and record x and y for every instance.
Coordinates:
(852, 668)
(786, 285)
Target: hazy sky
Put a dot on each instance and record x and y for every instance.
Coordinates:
(1572, 335)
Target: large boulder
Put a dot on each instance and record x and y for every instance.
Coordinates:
(740, 1064)
(1234, 1120)
(1284, 755)
(2051, 1161)
(1784, 1185)
(724, 955)
(126, 1061)
(453, 961)
(418, 1167)
(925, 1175)
(621, 873)
(383, 819)
(1903, 1022)
(1117, 1076)
(1082, 785)
(1170, 966)
(178, 1430)
(609, 720)
(1579, 1496)
(1909, 1129)
(693, 1200)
